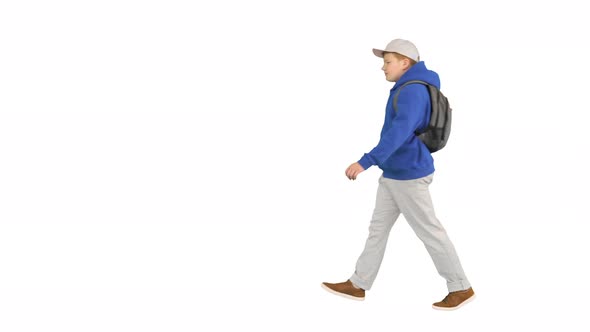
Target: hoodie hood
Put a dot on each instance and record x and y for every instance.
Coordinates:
(419, 72)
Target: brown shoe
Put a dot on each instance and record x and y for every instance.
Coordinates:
(345, 289)
(455, 300)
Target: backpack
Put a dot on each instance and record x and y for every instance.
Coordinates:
(436, 135)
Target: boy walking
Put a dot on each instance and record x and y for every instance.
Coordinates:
(408, 169)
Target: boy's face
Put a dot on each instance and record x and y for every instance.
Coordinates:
(393, 67)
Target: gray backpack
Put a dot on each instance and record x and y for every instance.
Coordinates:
(436, 135)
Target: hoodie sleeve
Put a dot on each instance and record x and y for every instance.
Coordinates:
(411, 104)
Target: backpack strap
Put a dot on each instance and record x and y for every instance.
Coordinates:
(396, 96)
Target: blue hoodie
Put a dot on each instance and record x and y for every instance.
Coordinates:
(400, 153)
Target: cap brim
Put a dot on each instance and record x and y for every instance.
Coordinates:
(378, 53)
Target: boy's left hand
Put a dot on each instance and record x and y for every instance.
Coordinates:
(353, 170)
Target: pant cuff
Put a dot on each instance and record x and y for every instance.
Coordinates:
(359, 283)
(458, 285)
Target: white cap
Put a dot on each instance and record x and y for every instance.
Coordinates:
(400, 46)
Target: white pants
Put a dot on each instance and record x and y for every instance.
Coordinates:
(412, 198)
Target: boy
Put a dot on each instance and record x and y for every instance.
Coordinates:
(408, 169)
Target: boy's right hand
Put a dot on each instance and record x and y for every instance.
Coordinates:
(353, 170)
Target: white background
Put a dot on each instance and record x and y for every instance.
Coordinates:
(179, 165)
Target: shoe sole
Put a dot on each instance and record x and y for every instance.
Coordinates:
(457, 307)
(350, 297)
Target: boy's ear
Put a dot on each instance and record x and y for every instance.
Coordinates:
(406, 63)
(409, 62)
